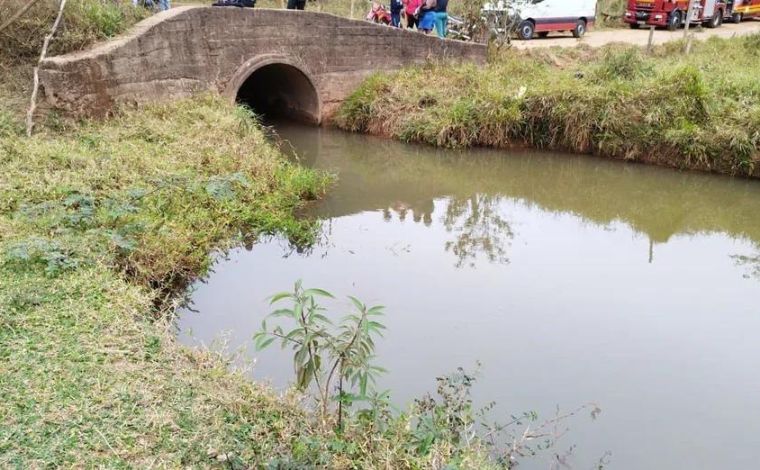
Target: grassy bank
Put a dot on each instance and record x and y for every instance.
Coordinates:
(694, 112)
(97, 225)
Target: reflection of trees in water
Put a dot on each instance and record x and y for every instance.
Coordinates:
(478, 227)
(420, 211)
(476, 222)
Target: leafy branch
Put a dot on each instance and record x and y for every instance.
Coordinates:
(324, 352)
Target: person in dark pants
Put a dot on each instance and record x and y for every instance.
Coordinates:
(412, 12)
(296, 4)
(396, 7)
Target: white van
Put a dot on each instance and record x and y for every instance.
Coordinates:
(543, 16)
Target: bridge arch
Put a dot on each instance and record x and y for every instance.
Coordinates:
(274, 85)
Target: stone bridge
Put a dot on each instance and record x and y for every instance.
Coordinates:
(303, 64)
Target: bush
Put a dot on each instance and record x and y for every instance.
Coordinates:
(628, 64)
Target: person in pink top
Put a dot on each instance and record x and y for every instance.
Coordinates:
(412, 11)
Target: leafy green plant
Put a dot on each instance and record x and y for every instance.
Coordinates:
(336, 360)
(49, 254)
(451, 417)
(324, 352)
(222, 188)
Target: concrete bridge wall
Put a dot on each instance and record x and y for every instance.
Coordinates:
(307, 61)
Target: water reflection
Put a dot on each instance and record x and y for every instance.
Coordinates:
(378, 174)
(479, 228)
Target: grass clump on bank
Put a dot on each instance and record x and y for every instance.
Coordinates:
(152, 192)
(698, 112)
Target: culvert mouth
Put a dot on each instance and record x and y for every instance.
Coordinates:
(277, 91)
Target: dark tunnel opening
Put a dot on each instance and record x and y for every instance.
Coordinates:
(278, 91)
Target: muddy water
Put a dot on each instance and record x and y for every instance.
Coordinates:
(571, 279)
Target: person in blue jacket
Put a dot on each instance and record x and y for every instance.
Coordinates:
(427, 16)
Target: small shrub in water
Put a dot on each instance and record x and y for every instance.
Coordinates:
(324, 352)
(445, 425)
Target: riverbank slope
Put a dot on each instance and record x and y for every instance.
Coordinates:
(699, 111)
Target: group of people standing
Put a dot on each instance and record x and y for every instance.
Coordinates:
(425, 15)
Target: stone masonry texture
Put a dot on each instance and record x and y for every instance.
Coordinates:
(193, 49)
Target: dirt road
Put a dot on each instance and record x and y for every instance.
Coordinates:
(640, 36)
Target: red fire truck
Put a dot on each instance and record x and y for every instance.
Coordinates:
(741, 9)
(672, 13)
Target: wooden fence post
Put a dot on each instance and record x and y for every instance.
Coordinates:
(689, 11)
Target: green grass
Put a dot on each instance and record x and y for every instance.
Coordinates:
(336, 7)
(694, 112)
(84, 23)
(174, 180)
(99, 226)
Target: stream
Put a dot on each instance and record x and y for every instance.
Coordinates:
(571, 279)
